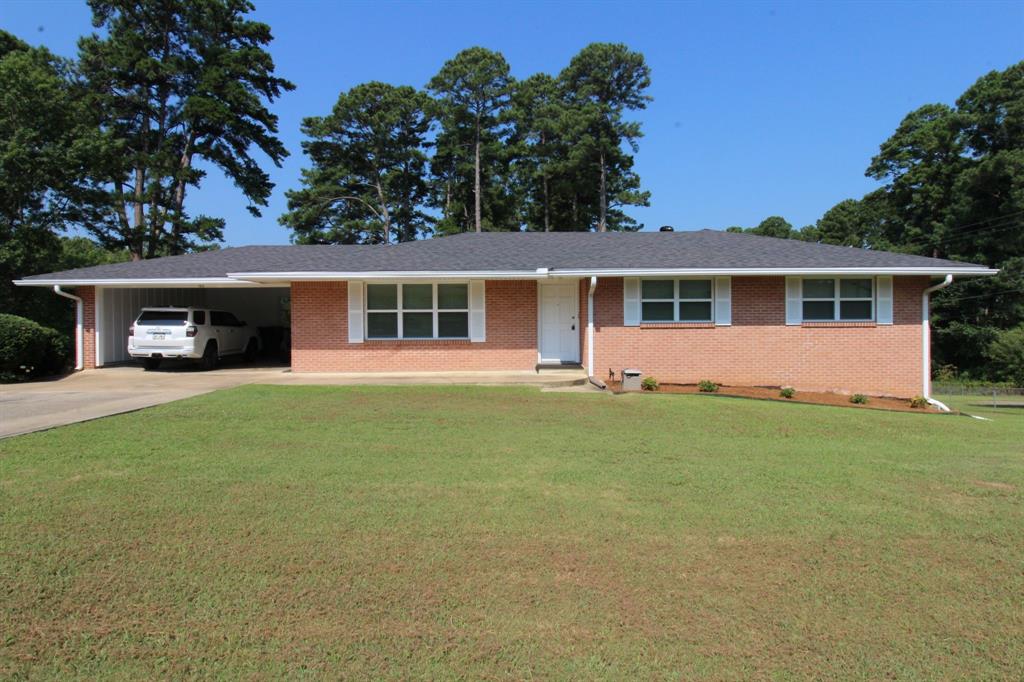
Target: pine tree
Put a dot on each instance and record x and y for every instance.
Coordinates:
(174, 83)
(368, 182)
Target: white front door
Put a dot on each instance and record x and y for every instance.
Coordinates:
(558, 327)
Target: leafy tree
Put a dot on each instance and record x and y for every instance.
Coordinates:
(853, 222)
(46, 149)
(774, 226)
(778, 227)
(921, 162)
(955, 189)
(602, 83)
(989, 191)
(472, 92)
(369, 166)
(174, 83)
(537, 112)
(1006, 352)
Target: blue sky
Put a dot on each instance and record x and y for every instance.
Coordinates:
(760, 108)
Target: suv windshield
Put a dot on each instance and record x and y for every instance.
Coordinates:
(164, 317)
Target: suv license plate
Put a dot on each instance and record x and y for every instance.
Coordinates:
(158, 337)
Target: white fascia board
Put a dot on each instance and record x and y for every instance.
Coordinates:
(147, 282)
(739, 272)
(396, 275)
(255, 279)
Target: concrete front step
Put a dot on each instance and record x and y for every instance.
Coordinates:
(547, 378)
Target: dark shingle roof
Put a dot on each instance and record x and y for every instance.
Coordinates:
(512, 251)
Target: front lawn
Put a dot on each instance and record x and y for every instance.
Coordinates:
(507, 533)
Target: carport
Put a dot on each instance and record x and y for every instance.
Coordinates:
(264, 307)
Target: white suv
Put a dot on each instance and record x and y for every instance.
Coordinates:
(198, 333)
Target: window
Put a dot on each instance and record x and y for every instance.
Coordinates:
(165, 318)
(676, 300)
(219, 318)
(199, 317)
(828, 300)
(417, 311)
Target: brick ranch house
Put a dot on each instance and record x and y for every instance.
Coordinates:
(680, 306)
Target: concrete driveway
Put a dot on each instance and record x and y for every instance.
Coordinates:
(112, 390)
(100, 393)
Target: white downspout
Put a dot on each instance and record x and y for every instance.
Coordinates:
(79, 326)
(926, 343)
(590, 335)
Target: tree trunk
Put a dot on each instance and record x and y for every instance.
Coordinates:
(134, 245)
(476, 182)
(602, 221)
(384, 212)
(139, 222)
(179, 190)
(547, 207)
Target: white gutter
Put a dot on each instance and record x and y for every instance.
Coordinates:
(397, 275)
(590, 334)
(79, 326)
(139, 282)
(253, 279)
(926, 343)
(739, 272)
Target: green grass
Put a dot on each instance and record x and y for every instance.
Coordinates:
(450, 532)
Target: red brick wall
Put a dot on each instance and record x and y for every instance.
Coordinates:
(759, 349)
(88, 296)
(320, 335)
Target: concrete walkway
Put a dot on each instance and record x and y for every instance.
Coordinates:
(103, 392)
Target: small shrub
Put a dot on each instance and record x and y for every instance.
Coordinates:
(29, 350)
(946, 373)
(649, 384)
(787, 392)
(859, 399)
(707, 386)
(918, 402)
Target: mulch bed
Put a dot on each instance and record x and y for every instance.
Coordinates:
(772, 393)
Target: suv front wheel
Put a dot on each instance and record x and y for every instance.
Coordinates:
(209, 359)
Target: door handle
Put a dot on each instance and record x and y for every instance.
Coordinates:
(574, 328)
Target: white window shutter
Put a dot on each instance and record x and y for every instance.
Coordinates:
(723, 301)
(355, 312)
(883, 299)
(477, 311)
(794, 290)
(631, 302)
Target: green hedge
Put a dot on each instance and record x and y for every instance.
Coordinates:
(29, 350)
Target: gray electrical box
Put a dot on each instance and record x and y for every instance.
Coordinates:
(631, 379)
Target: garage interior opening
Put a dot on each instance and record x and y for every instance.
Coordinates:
(267, 308)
